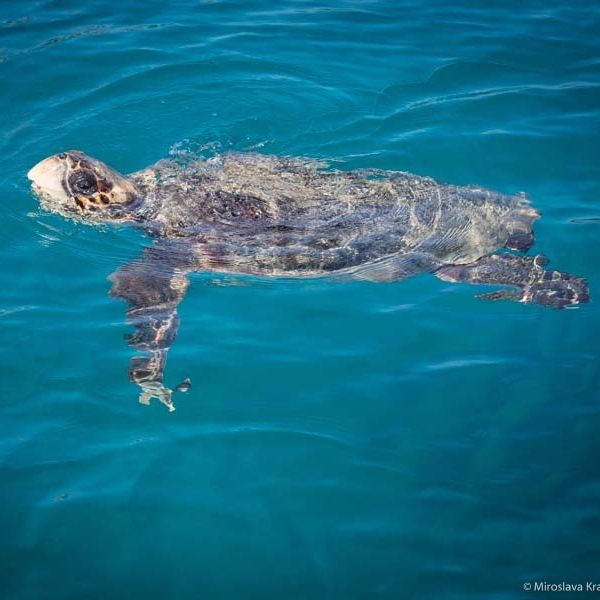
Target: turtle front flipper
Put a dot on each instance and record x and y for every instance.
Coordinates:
(153, 286)
(526, 274)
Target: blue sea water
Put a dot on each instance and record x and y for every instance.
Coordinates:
(351, 440)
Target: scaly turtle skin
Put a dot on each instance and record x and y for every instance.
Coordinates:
(270, 216)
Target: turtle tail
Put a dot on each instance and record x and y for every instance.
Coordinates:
(521, 226)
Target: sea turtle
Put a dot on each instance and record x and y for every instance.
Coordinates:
(272, 216)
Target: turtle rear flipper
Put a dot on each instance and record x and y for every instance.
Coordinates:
(557, 289)
(531, 282)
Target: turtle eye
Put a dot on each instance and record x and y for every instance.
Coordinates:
(82, 182)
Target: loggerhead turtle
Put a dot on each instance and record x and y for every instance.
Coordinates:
(272, 216)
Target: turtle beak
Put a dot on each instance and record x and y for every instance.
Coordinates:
(48, 175)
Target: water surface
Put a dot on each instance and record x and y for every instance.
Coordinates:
(340, 440)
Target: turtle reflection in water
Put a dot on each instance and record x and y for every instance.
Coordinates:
(272, 216)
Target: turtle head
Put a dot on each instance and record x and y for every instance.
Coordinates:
(79, 186)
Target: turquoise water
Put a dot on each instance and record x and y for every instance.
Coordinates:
(340, 440)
